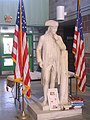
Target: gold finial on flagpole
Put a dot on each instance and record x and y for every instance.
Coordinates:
(78, 4)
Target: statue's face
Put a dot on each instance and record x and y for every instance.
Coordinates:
(53, 29)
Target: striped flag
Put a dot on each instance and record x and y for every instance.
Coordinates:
(20, 51)
(78, 50)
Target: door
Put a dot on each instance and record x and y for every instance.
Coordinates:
(30, 44)
(68, 39)
(6, 62)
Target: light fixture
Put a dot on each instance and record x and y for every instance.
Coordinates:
(60, 13)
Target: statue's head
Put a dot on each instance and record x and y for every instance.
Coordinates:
(53, 25)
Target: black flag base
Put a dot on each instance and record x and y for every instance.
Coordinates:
(23, 116)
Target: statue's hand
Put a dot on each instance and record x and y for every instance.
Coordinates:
(55, 37)
(41, 64)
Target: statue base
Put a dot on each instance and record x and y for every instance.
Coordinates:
(38, 112)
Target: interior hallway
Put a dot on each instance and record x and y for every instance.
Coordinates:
(8, 110)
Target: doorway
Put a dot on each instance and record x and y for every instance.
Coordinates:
(68, 39)
(6, 62)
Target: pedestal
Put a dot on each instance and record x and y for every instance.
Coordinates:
(37, 113)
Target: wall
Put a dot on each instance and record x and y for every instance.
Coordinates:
(87, 61)
(71, 9)
(86, 30)
(37, 11)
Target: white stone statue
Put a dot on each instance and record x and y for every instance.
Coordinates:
(49, 56)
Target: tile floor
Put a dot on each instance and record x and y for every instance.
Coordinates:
(8, 110)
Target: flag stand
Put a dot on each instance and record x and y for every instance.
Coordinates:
(76, 87)
(21, 57)
(23, 115)
(78, 50)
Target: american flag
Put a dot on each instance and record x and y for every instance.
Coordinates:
(20, 51)
(78, 50)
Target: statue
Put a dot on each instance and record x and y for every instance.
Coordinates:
(49, 56)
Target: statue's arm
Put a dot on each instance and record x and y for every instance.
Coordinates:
(38, 52)
(60, 42)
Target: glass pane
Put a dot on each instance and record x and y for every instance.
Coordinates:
(7, 43)
(8, 62)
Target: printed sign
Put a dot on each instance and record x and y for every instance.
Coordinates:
(53, 99)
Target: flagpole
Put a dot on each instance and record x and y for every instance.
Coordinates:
(78, 50)
(78, 7)
(23, 115)
(77, 25)
(21, 51)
